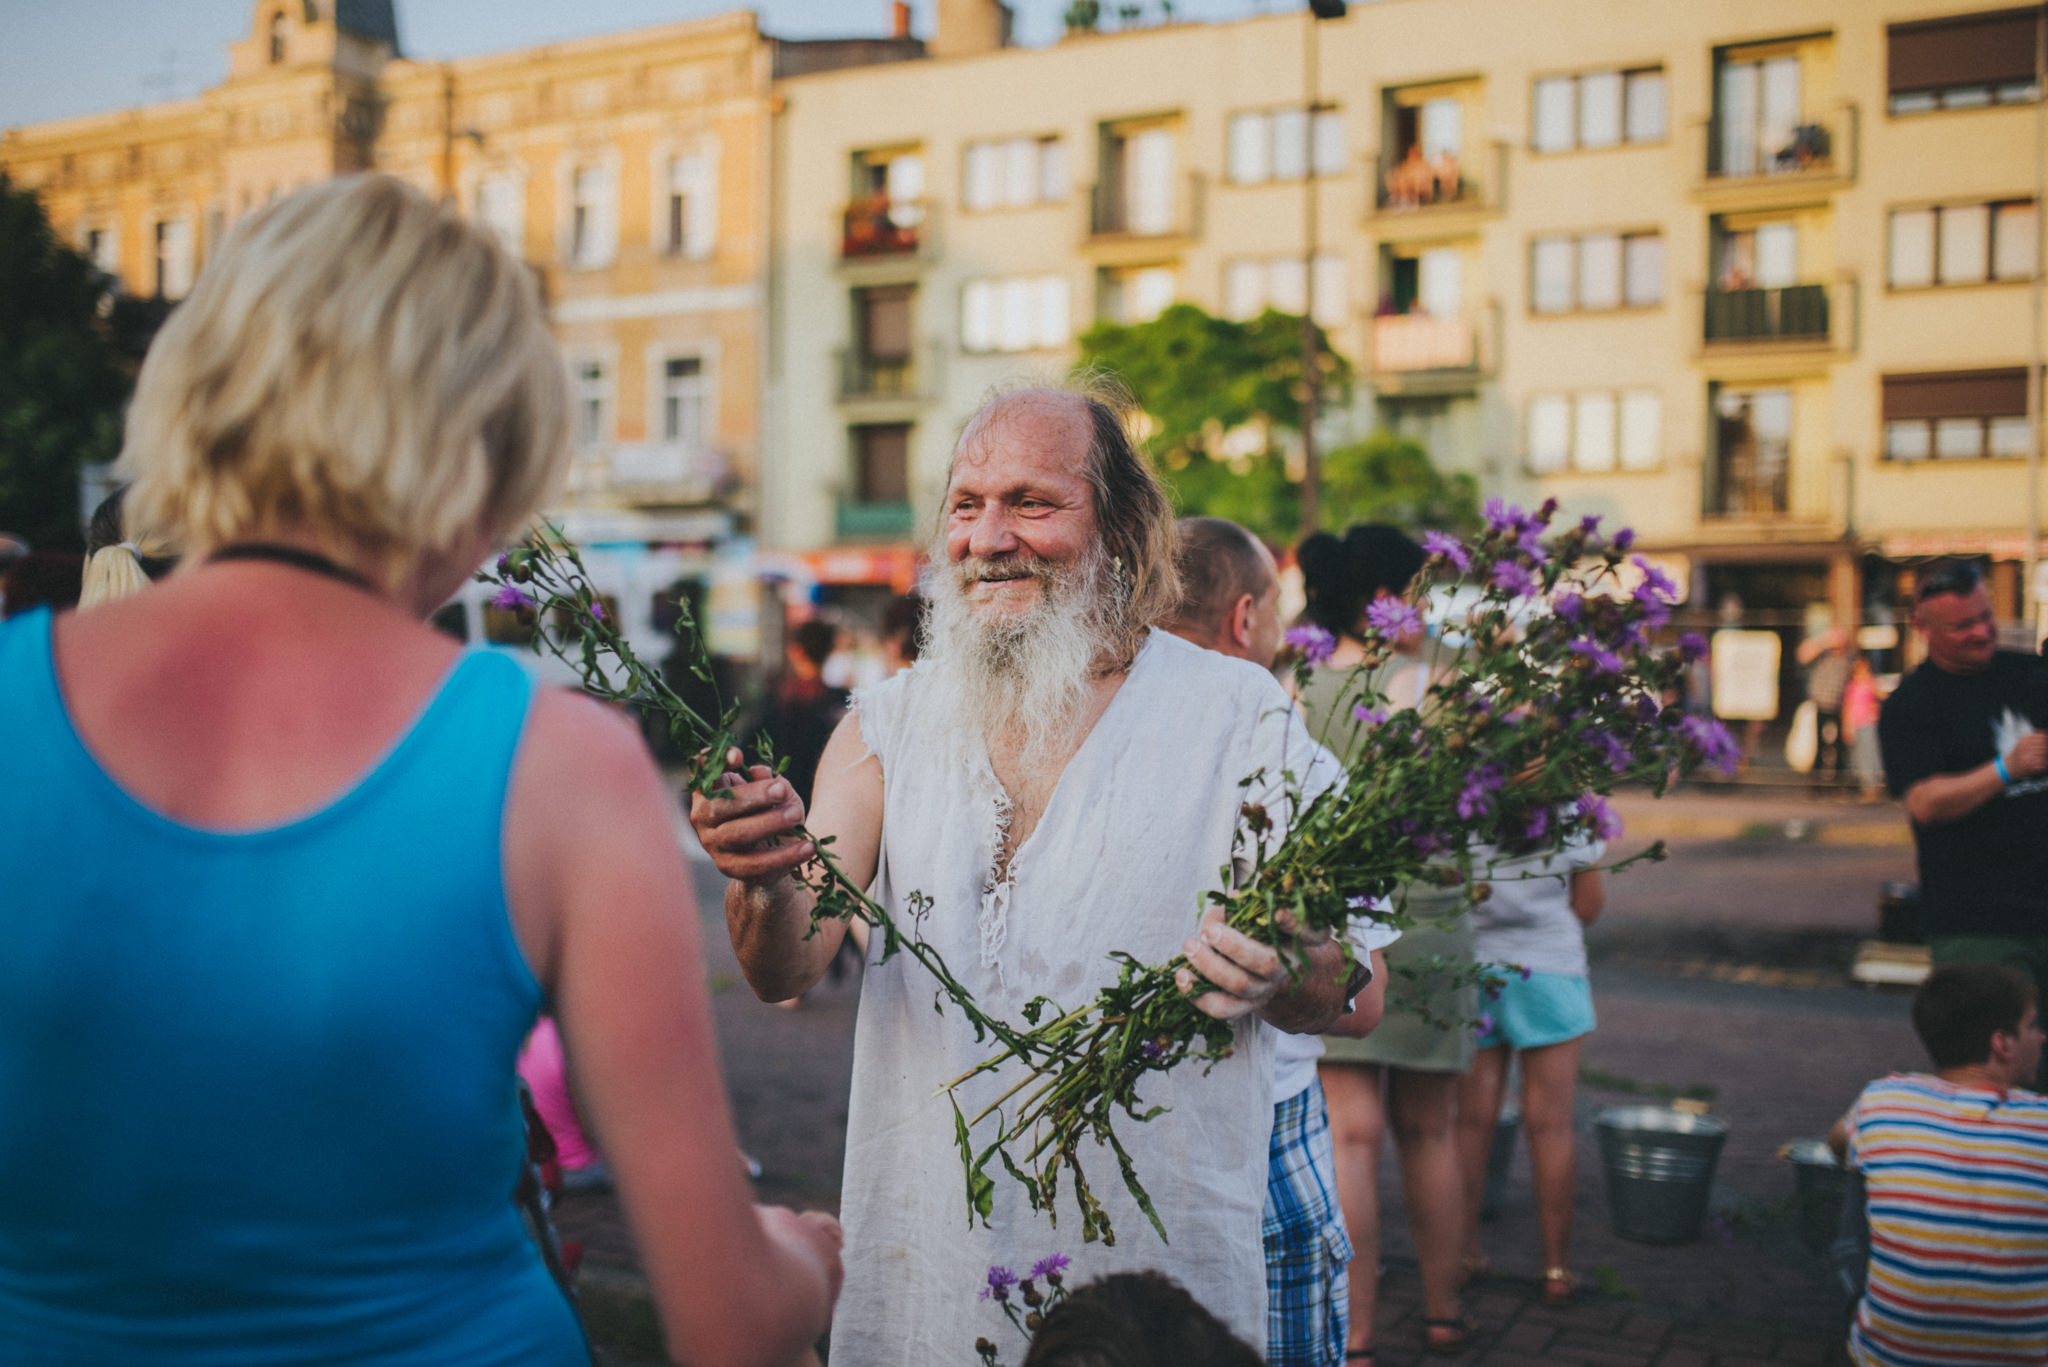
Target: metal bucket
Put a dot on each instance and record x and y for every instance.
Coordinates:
(1818, 1181)
(1660, 1169)
(1500, 1161)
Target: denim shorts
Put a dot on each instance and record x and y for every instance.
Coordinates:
(1543, 1008)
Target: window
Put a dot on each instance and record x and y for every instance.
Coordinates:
(1014, 173)
(1283, 144)
(593, 217)
(1764, 257)
(1135, 294)
(1253, 284)
(690, 219)
(1962, 244)
(103, 249)
(277, 36)
(1596, 271)
(501, 207)
(1956, 415)
(1760, 126)
(881, 463)
(1598, 109)
(1595, 432)
(593, 402)
(893, 178)
(1964, 61)
(1751, 473)
(1140, 181)
(173, 258)
(1015, 313)
(683, 395)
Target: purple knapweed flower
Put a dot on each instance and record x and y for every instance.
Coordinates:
(1624, 538)
(1000, 1280)
(1590, 523)
(505, 563)
(1394, 618)
(1531, 543)
(1523, 969)
(1427, 845)
(597, 612)
(1692, 646)
(1537, 826)
(1483, 1027)
(1051, 1265)
(1315, 644)
(1647, 709)
(1605, 824)
(1153, 1050)
(1617, 755)
(1502, 516)
(1450, 548)
(1475, 799)
(1655, 581)
(1368, 716)
(1510, 578)
(1604, 660)
(1712, 740)
(510, 598)
(1568, 606)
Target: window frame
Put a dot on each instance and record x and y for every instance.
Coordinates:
(1570, 403)
(1992, 209)
(1627, 76)
(1626, 240)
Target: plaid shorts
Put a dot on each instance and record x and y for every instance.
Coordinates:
(1307, 1251)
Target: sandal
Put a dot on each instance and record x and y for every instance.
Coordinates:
(1559, 1286)
(1448, 1338)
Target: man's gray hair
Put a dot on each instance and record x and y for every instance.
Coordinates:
(1131, 508)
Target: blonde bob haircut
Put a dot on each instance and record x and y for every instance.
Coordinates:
(356, 364)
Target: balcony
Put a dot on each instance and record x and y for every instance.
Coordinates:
(1420, 196)
(884, 241)
(1818, 155)
(1769, 322)
(886, 381)
(856, 521)
(1416, 353)
(1123, 228)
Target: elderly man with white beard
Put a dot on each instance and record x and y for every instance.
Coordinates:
(1061, 781)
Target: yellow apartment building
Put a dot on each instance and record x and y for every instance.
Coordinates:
(1753, 277)
(629, 170)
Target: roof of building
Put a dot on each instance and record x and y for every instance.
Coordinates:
(376, 20)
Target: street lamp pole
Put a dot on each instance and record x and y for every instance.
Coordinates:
(2030, 604)
(1311, 465)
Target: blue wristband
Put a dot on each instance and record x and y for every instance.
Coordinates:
(2004, 774)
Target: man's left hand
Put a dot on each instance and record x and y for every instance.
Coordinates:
(1244, 975)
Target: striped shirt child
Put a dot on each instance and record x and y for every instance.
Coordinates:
(1958, 1202)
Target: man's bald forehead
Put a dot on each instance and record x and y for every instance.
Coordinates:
(1051, 405)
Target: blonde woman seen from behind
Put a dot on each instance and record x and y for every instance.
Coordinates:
(292, 917)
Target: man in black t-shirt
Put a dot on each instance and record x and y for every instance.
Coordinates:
(1965, 742)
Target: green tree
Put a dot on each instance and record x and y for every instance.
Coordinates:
(1390, 478)
(1216, 392)
(62, 382)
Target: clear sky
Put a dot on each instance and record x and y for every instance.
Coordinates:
(64, 57)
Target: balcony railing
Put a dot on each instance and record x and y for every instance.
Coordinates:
(1821, 148)
(1751, 481)
(868, 378)
(853, 520)
(1790, 317)
(880, 227)
(1411, 183)
(1405, 342)
(1114, 214)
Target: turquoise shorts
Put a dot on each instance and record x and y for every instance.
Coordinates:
(1543, 1008)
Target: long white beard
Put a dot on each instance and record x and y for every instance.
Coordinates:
(1019, 680)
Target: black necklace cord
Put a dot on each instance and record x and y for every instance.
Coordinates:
(299, 559)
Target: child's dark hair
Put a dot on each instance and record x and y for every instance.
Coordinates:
(1340, 577)
(1961, 1006)
(1135, 1319)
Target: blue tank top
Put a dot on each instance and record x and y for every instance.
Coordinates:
(257, 1102)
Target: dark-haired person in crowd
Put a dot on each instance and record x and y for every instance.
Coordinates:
(801, 709)
(1964, 746)
(1954, 1167)
(116, 562)
(41, 579)
(1056, 781)
(1136, 1319)
(901, 622)
(1404, 1074)
(1230, 603)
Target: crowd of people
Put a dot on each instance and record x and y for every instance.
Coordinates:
(288, 864)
